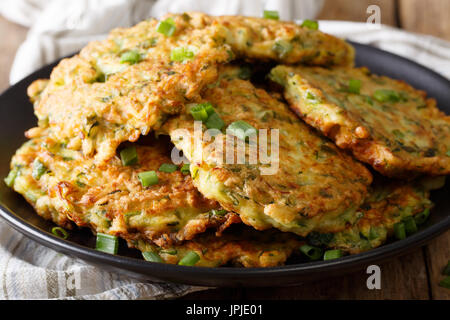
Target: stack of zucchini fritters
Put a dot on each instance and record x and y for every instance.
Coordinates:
(358, 153)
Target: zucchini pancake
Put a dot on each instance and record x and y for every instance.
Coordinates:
(316, 187)
(274, 176)
(64, 187)
(384, 122)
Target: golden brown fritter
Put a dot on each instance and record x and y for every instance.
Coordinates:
(242, 247)
(388, 203)
(64, 187)
(286, 42)
(384, 122)
(313, 186)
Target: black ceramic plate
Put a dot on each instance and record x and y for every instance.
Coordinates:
(16, 115)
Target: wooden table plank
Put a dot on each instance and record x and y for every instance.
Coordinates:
(352, 10)
(12, 36)
(429, 17)
(437, 255)
(401, 278)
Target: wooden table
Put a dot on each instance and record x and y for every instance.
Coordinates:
(413, 276)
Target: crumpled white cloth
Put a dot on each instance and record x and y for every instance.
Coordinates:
(60, 27)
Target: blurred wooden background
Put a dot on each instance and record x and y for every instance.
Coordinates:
(413, 276)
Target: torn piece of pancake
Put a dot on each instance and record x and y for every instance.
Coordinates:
(241, 247)
(310, 186)
(286, 42)
(384, 122)
(64, 187)
(122, 87)
(388, 203)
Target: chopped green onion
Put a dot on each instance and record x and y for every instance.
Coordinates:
(107, 243)
(400, 230)
(384, 95)
(448, 153)
(168, 168)
(152, 256)
(311, 252)
(241, 129)
(310, 24)
(445, 283)
(446, 271)
(130, 57)
(410, 225)
(422, 217)
(332, 254)
(129, 156)
(199, 113)
(219, 213)
(181, 54)
(194, 173)
(354, 86)
(148, 178)
(166, 27)
(282, 47)
(190, 259)
(38, 169)
(60, 232)
(271, 14)
(185, 169)
(12, 175)
(169, 251)
(202, 111)
(214, 122)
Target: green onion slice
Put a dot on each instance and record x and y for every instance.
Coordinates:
(168, 167)
(400, 230)
(311, 252)
(219, 213)
(130, 57)
(214, 122)
(152, 256)
(410, 225)
(148, 178)
(185, 169)
(60, 232)
(241, 129)
(332, 254)
(166, 27)
(181, 54)
(169, 251)
(12, 175)
(107, 243)
(354, 86)
(271, 14)
(190, 259)
(282, 47)
(384, 95)
(422, 217)
(38, 169)
(129, 156)
(310, 24)
(202, 111)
